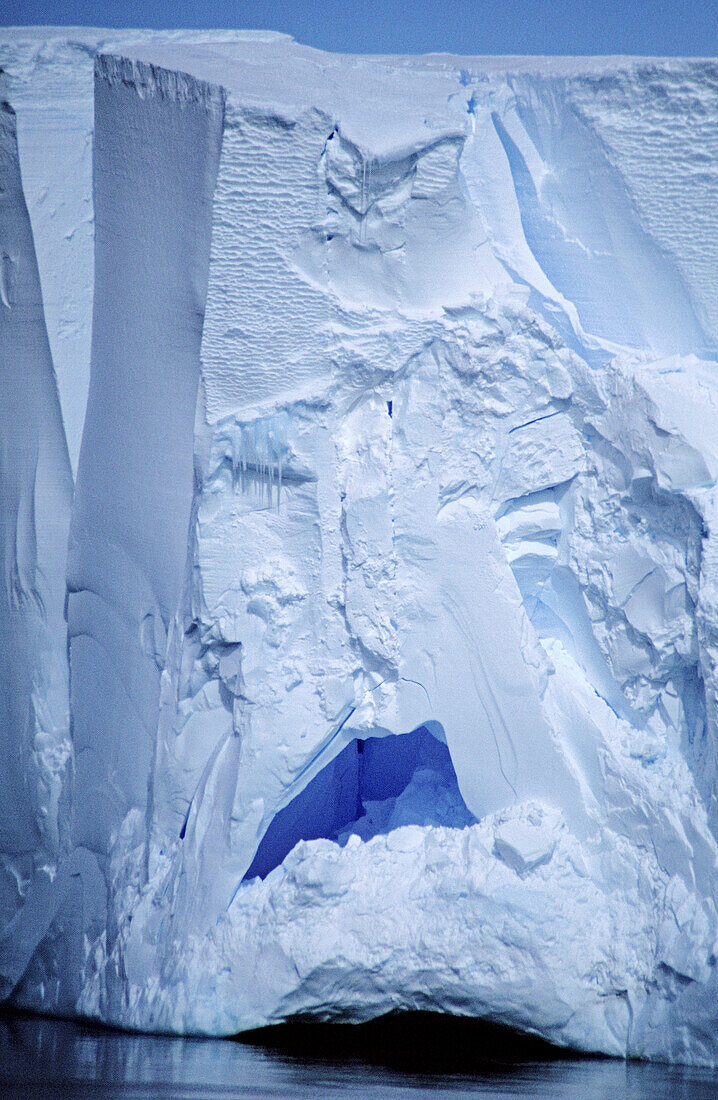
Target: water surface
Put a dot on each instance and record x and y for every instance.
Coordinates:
(51, 1058)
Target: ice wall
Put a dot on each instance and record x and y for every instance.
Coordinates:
(156, 149)
(50, 86)
(391, 588)
(36, 493)
(50, 82)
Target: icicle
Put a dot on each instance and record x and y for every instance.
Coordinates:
(270, 466)
(362, 213)
(235, 449)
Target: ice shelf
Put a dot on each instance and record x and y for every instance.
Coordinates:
(372, 662)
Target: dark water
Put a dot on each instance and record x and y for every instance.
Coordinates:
(46, 1058)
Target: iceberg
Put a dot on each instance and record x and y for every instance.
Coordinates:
(360, 566)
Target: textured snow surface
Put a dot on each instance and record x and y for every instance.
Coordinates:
(390, 602)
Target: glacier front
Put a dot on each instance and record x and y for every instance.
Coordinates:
(371, 663)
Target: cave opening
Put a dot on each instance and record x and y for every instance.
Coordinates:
(412, 1042)
(371, 787)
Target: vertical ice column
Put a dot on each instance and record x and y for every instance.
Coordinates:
(35, 501)
(52, 92)
(157, 142)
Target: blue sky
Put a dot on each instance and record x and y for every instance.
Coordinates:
(678, 27)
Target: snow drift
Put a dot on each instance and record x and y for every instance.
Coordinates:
(391, 601)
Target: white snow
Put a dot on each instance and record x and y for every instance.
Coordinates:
(391, 596)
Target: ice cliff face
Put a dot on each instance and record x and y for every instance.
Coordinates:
(36, 493)
(391, 601)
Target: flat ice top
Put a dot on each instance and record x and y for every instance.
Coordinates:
(380, 105)
(487, 62)
(383, 100)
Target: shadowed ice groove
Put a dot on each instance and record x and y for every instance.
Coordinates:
(626, 291)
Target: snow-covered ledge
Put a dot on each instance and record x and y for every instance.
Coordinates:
(392, 604)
